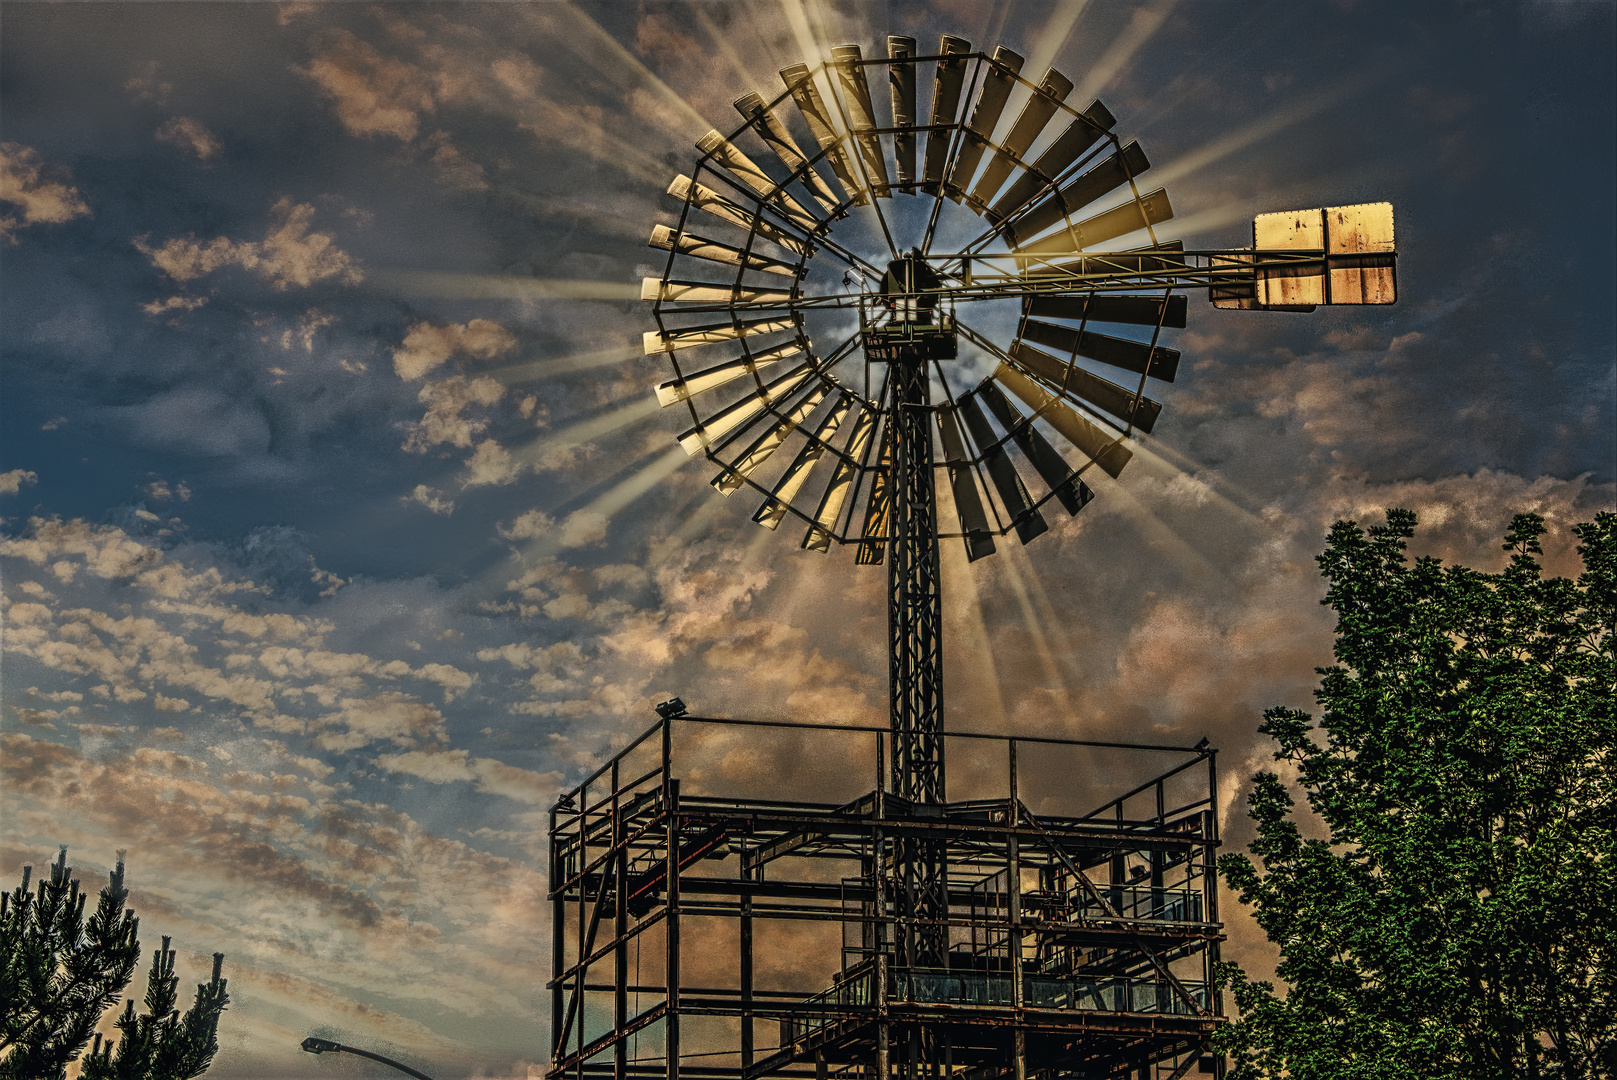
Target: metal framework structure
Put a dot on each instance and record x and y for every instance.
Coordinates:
(1080, 936)
(979, 939)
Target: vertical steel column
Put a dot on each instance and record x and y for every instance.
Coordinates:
(745, 973)
(558, 949)
(620, 930)
(671, 962)
(1013, 883)
(583, 939)
(915, 631)
(914, 600)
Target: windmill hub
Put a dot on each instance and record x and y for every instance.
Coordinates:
(909, 321)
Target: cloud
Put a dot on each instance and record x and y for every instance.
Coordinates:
(492, 463)
(37, 199)
(289, 256)
(388, 716)
(173, 303)
(486, 774)
(445, 420)
(15, 480)
(431, 498)
(426, 346)
(190, 136)
(373, 94)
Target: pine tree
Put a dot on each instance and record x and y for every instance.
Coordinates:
(59, 973)
(1458, 919)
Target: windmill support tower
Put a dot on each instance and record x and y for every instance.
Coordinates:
(1052, 910)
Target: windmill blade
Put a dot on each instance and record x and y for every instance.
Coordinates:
(1136, 356)
(700, 247)
(687, 337)
(800, 82)
(963, 483)
(818, 537)
(990, 103)
(1061, 478)
(862, 114)
(945, 104)
(1151, 208)
(746, 170)
(774, 134)
(1052, 90)
(676, 390)
(1074, 381)
(711, 202)
(878, 514)
(1091, 440)
(726, 420)
(901, 80)
(1028, 522)
(1109, 174)
(774, 508)
(1109, 308)
(671, 291)
(1070, 145)
(763, 447)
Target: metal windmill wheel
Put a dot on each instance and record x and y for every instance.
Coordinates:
(806, 407)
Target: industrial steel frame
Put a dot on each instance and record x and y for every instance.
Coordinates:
(1078, 944)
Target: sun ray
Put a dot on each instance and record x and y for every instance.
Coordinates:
(606, 505)
(1144, 23)
(697, 123)
(1170, 458)
(692, 527)
(1304, 108)
(1154, 531)
(620, 222)
(1030, 620)
(726, 47)
(1050, 40)
(973, 628)
(443, 285)
(534, 454)
(551, 366)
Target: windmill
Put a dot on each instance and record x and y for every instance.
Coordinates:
(861, 306)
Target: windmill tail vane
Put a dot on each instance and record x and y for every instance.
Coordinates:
(897, 326)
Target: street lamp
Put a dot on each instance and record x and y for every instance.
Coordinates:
(322, 1046)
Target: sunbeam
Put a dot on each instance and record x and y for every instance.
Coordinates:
(1049, 41)
(1154, 531)
(971, 626)
(698, 125)
(571, 532)
(726, 48)
(694, 526)
(1145, 22)
(533, 370)
(535, 454)
(443, 285)
(1304, 108)
(1031, 622)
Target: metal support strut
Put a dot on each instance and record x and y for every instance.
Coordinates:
(915, 624)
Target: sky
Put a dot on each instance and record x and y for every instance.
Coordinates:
(340, 530)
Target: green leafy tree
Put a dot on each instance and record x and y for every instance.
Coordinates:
(60, 972)
(1458, 918)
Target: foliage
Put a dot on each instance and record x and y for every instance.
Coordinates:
(59, 973)
(1458, 919)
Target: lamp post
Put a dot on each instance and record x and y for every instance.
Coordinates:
(322, 1046)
